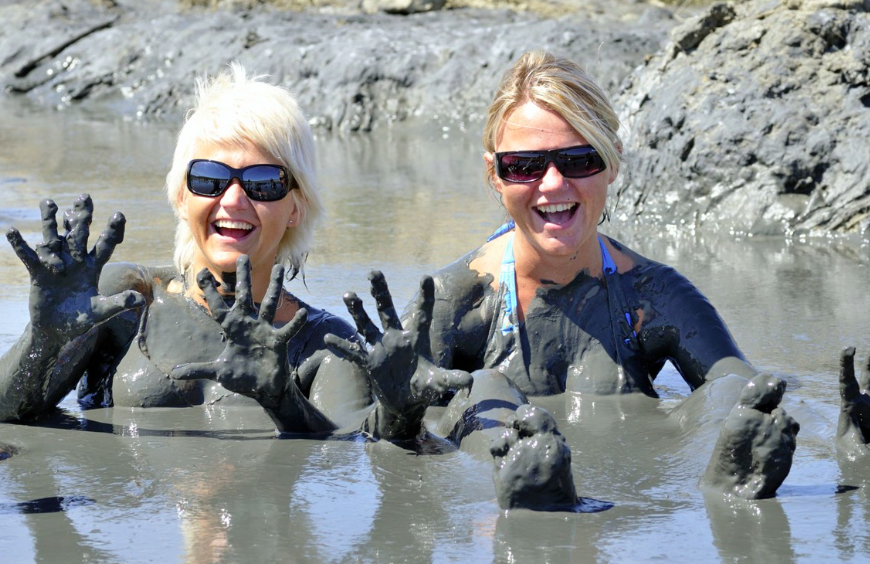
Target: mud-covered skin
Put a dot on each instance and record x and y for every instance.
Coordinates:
(65, 309)
(754, 452)
(532, 463)
(853, 426)
(254, 362)
(399, 362)
(126, 359)
(574, 337)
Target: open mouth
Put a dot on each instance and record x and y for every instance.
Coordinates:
(557, 213)
(232, 229)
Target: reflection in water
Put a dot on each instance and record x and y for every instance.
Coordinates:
(203, 484)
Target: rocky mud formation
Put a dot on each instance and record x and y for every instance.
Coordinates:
(754, 119)
(351, 70)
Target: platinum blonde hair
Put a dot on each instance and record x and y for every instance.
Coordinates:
(233, 109)
(560, 85)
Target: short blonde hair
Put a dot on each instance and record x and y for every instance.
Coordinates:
(235, 110)
(560, 85)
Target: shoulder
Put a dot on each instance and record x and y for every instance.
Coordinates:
(644, 272)
(118, 277)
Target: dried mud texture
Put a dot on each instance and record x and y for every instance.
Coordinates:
(352, 72)
(754, 119)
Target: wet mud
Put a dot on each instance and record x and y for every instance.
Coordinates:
(214, 480)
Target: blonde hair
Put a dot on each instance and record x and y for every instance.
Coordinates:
(235, 110)
(560, 85)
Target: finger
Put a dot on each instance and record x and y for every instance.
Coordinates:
(288, 331)
(27, 255)
(425, 305)
(194, 371)
(271, 299)
(384, 301)
(207, 283)
(345, 349)
(848, 384)
(48, 210)
(501, 445)
(111, 236)
(363, 322)
(244, 299)
(439, 381)
(78, 222)
(106, 307)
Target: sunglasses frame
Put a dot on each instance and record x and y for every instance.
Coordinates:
(551, 156)
(237, 174)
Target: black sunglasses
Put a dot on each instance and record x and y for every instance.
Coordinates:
(527, 166)
(261, 182)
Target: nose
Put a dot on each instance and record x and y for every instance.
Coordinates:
(552, 179)
(234, 196)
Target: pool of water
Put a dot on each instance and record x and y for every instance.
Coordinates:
(214, 484)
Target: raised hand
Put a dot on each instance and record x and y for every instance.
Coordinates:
(756, 445)
(399, 360)
(64, 299)
(254, 362)
(853, 428)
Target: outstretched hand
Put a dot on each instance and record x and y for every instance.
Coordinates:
(64, 275)
(398, 360)
(254, 362)
(853, 428)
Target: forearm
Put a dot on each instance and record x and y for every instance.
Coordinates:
(390, 425)
(293, 413)
(39, 371)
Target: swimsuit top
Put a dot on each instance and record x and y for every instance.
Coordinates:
(510, 325)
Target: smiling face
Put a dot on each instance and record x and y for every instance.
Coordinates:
(229, 225)
(555, 216)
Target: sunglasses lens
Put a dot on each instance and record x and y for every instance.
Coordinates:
(265, 183)
(207, 178)
(579, 162)
(521, 167)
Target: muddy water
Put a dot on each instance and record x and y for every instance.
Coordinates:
(203, 485)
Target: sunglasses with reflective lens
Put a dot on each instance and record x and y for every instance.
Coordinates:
(527, 166)
(261, 182)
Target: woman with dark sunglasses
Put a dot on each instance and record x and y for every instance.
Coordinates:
(548, 304)
(243, 187)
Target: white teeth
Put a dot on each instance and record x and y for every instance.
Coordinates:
(227, 224)
(553, 208)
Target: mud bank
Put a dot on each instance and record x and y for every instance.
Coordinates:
(754, 119)
(350, 70)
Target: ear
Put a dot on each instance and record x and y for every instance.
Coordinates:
(613, 172)
(489, 159)
(295, 215)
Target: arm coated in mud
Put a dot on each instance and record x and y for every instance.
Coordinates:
(398, 362)
(681, 325)
(66, 310)
(254, 362)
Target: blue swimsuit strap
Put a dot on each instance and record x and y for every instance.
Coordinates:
(508, 280)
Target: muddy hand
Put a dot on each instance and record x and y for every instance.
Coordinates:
(399, 360)
(854, 421)
(64, 275)
(532, 463)
(755, 448)
(254, 362)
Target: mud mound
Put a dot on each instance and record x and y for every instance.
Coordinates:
(754, 119)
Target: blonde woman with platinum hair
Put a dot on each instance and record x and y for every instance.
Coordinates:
(244, 190)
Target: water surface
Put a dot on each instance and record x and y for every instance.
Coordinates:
(203, 485)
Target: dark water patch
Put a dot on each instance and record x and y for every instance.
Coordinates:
(7, 451)
(843, 488)
(46, 505)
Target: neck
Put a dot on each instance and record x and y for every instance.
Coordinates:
(533, 264)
